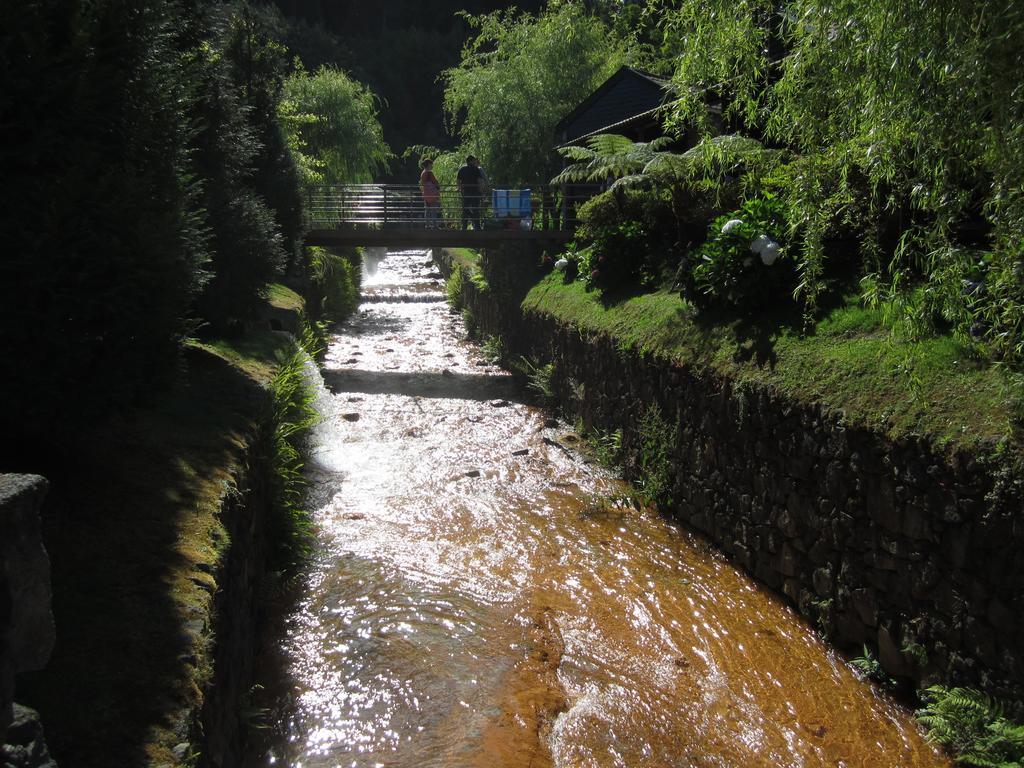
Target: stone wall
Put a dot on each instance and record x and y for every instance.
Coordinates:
(238, 607)
(27, 631)
(891, 544)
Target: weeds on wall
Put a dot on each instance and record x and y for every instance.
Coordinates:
(607, 447)
(336, 281)
(539, 378)
(657, 438)
(603, 445)
(868, 667)
(453, 289)
(292, 416)
(469, 321)
(493, 349)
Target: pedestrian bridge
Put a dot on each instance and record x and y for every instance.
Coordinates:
(394, 215)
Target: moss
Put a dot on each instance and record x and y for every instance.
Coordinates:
(932, 388)
(282, 297)
(256, 354)
(464, 257)
(134, 534)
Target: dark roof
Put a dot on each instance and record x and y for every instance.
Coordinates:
(626, 95)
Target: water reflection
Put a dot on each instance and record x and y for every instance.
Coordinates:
(485, 597)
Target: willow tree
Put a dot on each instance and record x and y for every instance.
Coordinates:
(521, 74)
(332, 125)
(906, 115)
(925, 100)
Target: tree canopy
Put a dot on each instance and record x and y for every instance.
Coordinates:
(332, 126)
(520, 75)
(905, 116)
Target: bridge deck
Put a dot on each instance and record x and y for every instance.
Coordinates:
(409, 237)
(396, 215)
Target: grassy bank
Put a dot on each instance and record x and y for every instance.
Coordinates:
(851, 362)
(135, 538)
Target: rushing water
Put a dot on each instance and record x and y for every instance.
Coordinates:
(483, 596)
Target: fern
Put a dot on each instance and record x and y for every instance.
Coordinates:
(539, 378)
(973, 726)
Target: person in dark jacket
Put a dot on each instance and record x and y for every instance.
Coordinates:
(469, 181)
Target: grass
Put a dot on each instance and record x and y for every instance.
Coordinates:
(931, 388)
(134, 535)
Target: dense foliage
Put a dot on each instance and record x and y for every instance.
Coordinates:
(907, 120)
(518, 77)
(239, 70)
(331, 122)
(628, 236)
(104, 240)
(886, 131)
(150, 194)
(742, 263)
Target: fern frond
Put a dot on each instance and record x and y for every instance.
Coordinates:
(630, 180)
(579, 154)
(608, 144)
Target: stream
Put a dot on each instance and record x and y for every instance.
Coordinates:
(483, 594)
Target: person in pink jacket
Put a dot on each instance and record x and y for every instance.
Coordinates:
(430, 189)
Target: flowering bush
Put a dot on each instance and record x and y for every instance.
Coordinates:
(744, 261)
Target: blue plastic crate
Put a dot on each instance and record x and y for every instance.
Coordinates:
(511, 203)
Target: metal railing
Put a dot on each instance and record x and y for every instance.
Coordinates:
(403, 206)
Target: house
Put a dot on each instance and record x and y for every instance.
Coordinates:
(628, 103)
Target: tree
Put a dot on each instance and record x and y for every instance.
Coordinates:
(104, 246)
(908, 122)
(331, 123)
(258, 62)
(518, 77)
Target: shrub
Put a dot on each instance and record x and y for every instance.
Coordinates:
(103, 250)
(992, 292)
(632, 234)
(744, 262)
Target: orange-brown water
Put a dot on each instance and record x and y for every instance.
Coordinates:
(483, 597)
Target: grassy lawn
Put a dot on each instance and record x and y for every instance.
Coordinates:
(134, 534)
(931, 388)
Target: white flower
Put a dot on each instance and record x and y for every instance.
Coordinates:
(561, 264)
(770, 253)
(730, 225)
(758, 243)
